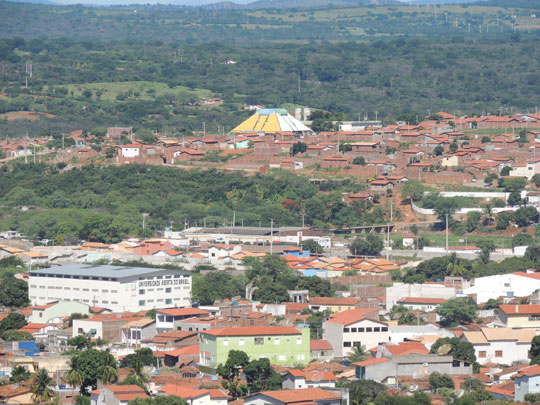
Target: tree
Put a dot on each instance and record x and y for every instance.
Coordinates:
(454, 267)
(110, 153)
(445, 206)
(505, 171)
(260, 376)
(485, 139)
(458, 350)
(413, 189)
(95, 364)
(503, 220)
(533, 398)
(298, 147)
(439, 150)
(74, 376)
(371, 245)
(438, 380)
(492, 303)
(80, 342)
(512, 183)
(532, 253)
(40, 387)
(473, 219)
(107, 370)
(359, 160)
(19, 373)
(13, 321)
(14, 293)
(487, 247)
(357, 354)
(457, 311)
(536, 180)
(230, 371)
(16, 336)
(535, 350)
(522, 239)
(514, 198)
(159, 400)
(312, 246)
(363, 392)
(142, 357)
(526, 216)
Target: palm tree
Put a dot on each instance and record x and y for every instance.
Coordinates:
(358, 354)
(454, 268)
(75, 377)
(107, 371)
(139, 372)
(40, 387)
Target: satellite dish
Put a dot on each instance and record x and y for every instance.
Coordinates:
(413, 387)
(459, 393)
(444, 349)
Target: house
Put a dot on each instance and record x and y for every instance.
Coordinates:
(182, 355)
(526, 381)
(131, 150)
(294, 379)
(352, 328)
(312, 396)
(387, 349)
(170, 340)
(518, 284)
(202, 323)
(135, 331)
(518, 316)
(423, 304)
(54, 312)
(334, 304)
(169, 318)
(500, 345)
(382, 185)
(221, 251)
(321, 350)
(104, 326)
(409, 240)
(283, 345)
(152, 246)
(116, 395)
(195, 396)
(20, 393)
(385, 370)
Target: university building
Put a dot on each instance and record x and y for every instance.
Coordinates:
(117, 288)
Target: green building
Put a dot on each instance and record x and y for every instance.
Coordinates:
(283, 345)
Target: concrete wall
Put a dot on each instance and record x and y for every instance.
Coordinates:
(401, 290)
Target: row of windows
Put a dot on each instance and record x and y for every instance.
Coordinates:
(50, 287)
(75, 277)
(260, 341)
(366, 330)
(51, 299)
(168, 301)
(483, 354)
(164, 277)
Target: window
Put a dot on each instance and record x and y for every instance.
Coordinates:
(41, 314)
(376, 329)
(225, 342)
(282, 358)
(353, 330)
(168, 290)
(259, 341)
(507, 284)
(300, 357)
(498, 353)
(241, 342)
(276, 341)
(456, 363)
(361, 330)
(482, 354)
(298, 341)
(141, 292)
(142, 303)
(347, 344)
(369, 329)
(168, 301)
(169, 318)
(80, 330)
(346, 330)
(384, 329)
(161, 318)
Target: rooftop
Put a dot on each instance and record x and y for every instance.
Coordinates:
(253, 330)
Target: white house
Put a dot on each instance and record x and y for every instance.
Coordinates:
(54, 312)
(135, 331)
(220, 251)
(195, 396)
(116, 395)
(526, 381)
(168, 318)
(500, 345)
(519, 284)
(131, 150)
(294, 379)
(349, 329)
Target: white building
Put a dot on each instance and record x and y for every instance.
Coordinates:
(115, 287)
(518, 284)
(349, 329)
(294, 379)
(131, 151)
(500, 345)
(526, 381)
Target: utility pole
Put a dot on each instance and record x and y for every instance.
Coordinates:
(303, 222)
(388, 231)
(271, 235)
(447, 233)
(204, 128)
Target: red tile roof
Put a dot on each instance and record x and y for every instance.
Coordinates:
(187, 350)
(320, 345)
(371, 362)
(530, 309)
(307, 395)
(421, 300)
(351, 316)
(183, 311)
(253, 331)
(334, 300)
(183, 392)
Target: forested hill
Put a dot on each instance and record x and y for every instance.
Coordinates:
(106, 203)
